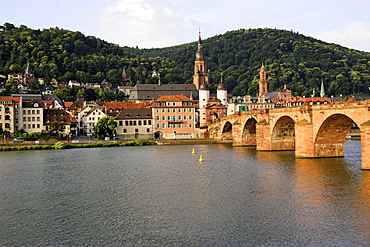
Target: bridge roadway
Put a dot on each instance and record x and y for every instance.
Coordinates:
(311, 130)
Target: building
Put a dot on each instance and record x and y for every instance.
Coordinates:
(88, 117)
(69, 123)
(174, 117)
(134, 124)
(9, 113)
(125, 89)
(32, 118)
(143, 92)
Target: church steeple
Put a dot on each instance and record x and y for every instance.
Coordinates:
(200, 76)
(263, 82)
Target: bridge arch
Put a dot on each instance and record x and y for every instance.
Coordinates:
(330, 137)
(227, 131)
(283, 134)
(249, 132)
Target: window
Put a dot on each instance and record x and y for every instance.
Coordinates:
(168, 117)
(163, 110)
(28, 111)
(190, 110)
(168, 110)
(136, 130)
(38, 126)
(179, 117)
(174, 110)
(190, 117)
(33, 119)
(24, 119)
(163, 126)
(33, 111)
(139, 122)
(163, 117)
(189, 125)
(124, 130)
(157, 126)
(179, 110)
(38, 111)
(149, 122)
(7, 117)
(173, 103)
(126, 123)
(158, 118)
(16, 120)
(157, 110)
(120, 123)
(144, 122)
(184, 117)
(29, 126)
(147, 130)
(184, 110)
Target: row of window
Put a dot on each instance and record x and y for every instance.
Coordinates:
(135, 122)
(31, 126)
(31, 112)
(175, 110)
(29, 119)
(173, 126)
(174, 118)
(93, 119)
(173, 104)
(136, 130)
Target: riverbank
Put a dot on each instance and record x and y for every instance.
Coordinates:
(68, 144)
(191, 141)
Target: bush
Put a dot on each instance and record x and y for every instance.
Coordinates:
(59, 145)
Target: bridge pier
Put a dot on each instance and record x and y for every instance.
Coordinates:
(263, 136)
(304, 140)
(365, 145)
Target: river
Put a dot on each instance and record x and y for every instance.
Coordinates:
(163, 196)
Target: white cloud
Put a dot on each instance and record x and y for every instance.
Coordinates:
(354, 35)
(146, 24)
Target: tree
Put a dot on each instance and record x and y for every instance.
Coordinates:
(105, 127)
(56, 127)
(81, 94)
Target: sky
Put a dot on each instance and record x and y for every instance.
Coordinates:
(164, 23)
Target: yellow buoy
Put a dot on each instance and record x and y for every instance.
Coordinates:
(193, 152)
(201, 158)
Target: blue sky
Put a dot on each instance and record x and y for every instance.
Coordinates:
(162, 23)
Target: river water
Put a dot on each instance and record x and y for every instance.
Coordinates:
(163, 196)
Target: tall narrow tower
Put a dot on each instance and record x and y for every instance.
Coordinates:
(263, 82)
(200, 76)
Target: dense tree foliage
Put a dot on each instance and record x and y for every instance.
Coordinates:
(105, 127)
(291, 59)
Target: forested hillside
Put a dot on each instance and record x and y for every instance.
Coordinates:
(290, 59)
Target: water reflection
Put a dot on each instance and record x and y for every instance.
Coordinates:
(162, 195)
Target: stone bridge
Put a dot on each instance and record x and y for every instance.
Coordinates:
(311, 130)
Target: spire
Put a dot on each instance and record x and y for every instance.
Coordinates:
(199, 55)
(322, 90)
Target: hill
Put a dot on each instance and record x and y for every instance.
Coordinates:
(290, 59)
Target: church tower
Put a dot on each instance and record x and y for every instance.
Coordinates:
(263, 82)
(200, 76)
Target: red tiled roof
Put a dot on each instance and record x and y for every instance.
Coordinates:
(173, 98)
